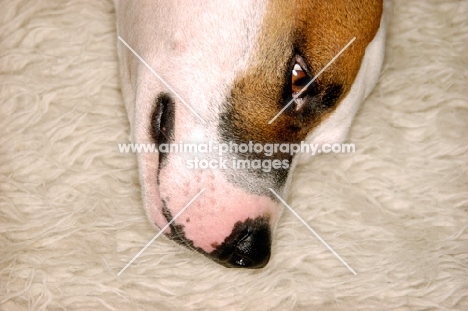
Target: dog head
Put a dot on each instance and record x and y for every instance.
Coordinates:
(231, 69)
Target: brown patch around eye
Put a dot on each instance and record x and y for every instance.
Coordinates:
(304, 33)
(308, 34)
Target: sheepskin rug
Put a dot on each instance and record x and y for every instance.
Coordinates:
(71, 215)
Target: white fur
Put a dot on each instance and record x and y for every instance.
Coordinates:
(70, 203)
(178, 40)
(198, 57)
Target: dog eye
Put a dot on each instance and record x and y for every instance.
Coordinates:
(299, 79)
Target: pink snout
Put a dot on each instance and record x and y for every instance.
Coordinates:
(225, 223)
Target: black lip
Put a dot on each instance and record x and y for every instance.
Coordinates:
(162, 124)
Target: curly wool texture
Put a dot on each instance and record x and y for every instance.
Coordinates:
(71, 216)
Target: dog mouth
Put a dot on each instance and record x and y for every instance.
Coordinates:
(248, 245)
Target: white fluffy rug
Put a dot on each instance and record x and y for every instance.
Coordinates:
(71, 215)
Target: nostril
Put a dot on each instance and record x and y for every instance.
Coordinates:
(244, 236)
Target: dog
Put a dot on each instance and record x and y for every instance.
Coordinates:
(226, 69)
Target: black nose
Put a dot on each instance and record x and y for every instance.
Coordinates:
(249, 246)
(252, 250)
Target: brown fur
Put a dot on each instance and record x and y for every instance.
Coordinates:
(317, 30)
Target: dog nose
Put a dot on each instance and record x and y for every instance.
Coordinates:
(248, 246)
(252, 249)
